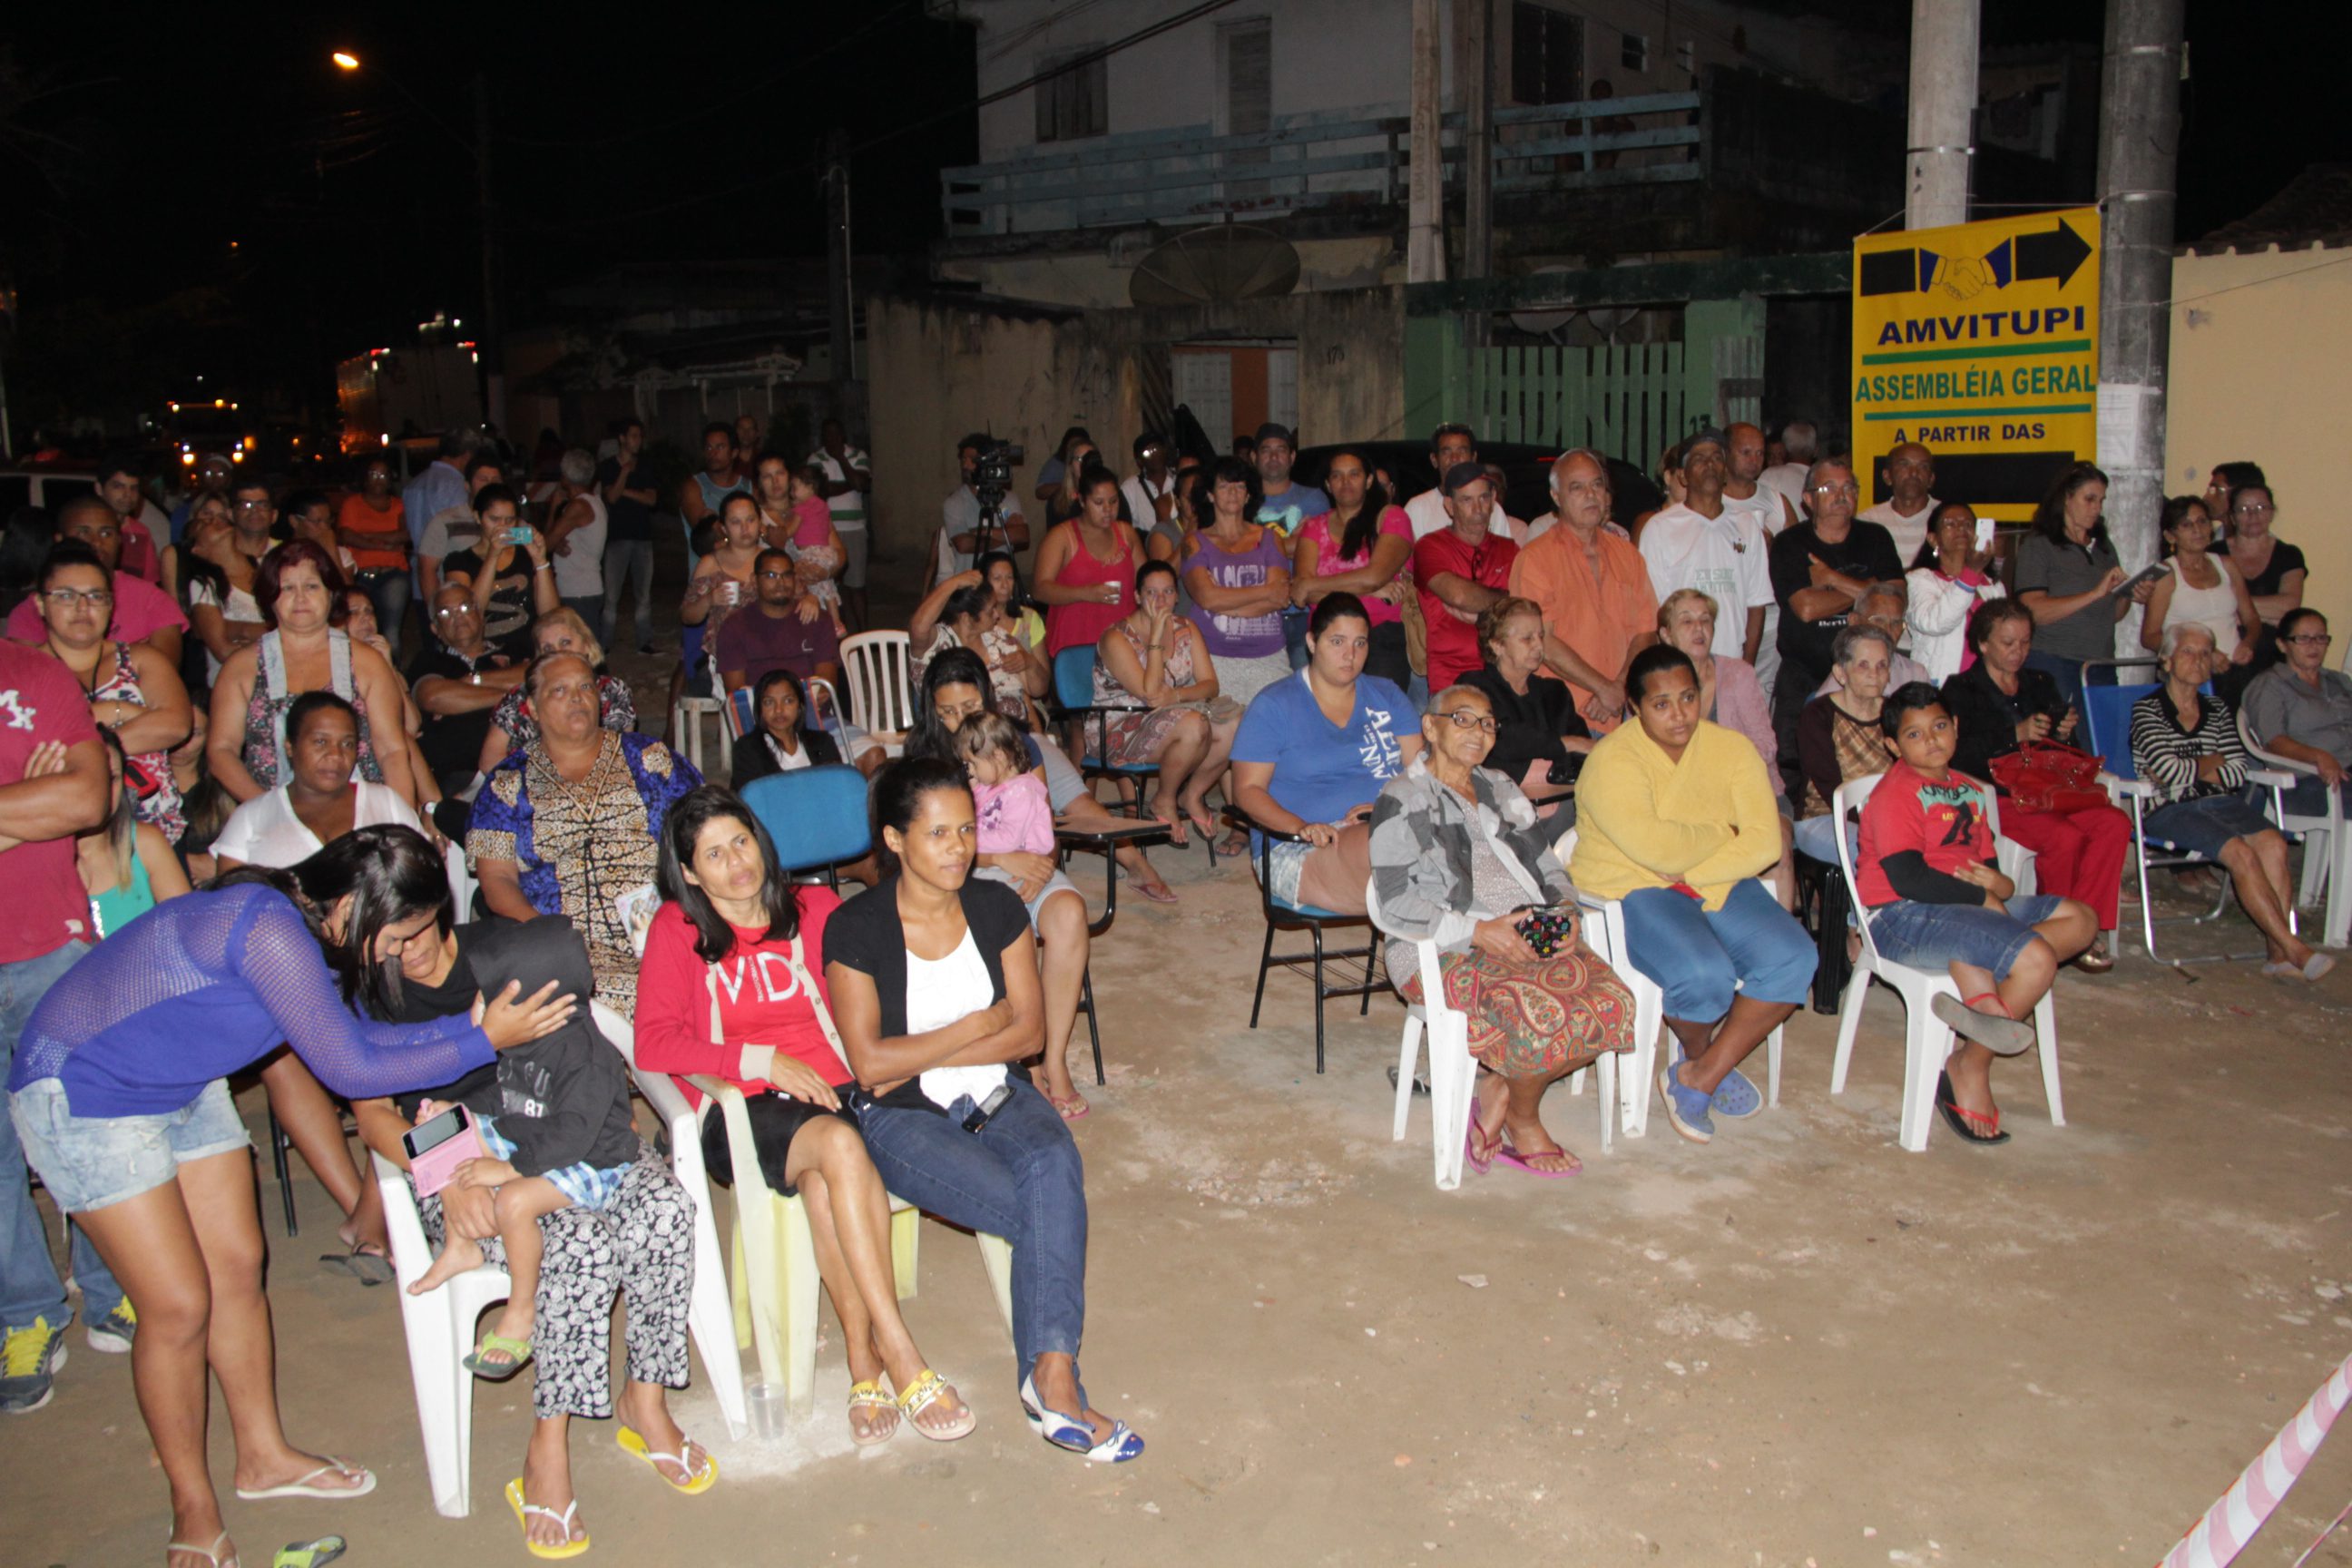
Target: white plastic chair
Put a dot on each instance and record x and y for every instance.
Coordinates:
(1453, 1073)
(1927, 1039)
(711, 1314)
(439, 1325)
(1605, 934)
(461, 880)
(774, 1290)
(875, 668)
(2327, 845)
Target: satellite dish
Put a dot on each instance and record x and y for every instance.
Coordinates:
(1215, 266)
(1543, 323)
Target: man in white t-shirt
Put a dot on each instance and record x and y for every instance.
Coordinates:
(1449, 445)
(576, 537)
(1908, 474)
(1800, 442)
(1704, 545)
(848, 481)
(1745, 494)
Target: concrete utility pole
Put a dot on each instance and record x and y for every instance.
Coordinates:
(1943, 113)
(1424, 250)
(836, 256)
(1478, 140)
(2140, 144)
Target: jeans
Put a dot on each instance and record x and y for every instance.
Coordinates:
(590, 608)
(1752, 947)
(30, 1287)
(1018, 1177)
(1930, 936)
(1817, 837)
(2308, 797)
(628, 561)
(387, 590)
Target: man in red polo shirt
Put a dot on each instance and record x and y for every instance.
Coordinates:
(1458, 571)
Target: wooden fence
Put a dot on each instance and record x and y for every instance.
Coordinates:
(1629, 401)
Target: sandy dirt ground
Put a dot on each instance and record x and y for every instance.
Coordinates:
(1798, 1346)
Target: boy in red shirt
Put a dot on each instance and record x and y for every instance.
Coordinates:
(1934, 893)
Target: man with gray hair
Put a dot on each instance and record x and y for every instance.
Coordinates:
(1801, 441)
(1703, 543)
(1593, 587)
(1820, 570)
(575, 537)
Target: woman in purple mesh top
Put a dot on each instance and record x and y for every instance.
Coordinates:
(119, 1092)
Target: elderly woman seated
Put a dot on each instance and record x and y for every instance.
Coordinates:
(1676, 817)
(1537, 726)
(1728, 695)
(2186, 744)
(2303, 712)
(1838, 735)
(572, 821)
(1457, 857)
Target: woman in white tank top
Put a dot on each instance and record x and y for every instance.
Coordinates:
(2202, 589)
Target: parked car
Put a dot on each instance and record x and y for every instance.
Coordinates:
(1526, 467)
(47, 488)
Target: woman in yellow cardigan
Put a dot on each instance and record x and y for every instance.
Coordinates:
(1676, 816)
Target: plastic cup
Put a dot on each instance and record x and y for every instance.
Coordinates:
(766, 1402)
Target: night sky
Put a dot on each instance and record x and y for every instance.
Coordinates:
(199, 189)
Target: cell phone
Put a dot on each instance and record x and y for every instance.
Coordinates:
(519, 534)
(1986, 529)
(1564, 771)
(438, 1146)
(2145, 574)
(1547, 928)
(998, 1099)
(141, 784)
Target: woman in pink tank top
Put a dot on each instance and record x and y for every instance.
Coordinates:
(1086, 568)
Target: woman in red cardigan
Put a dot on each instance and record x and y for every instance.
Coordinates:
(729, 986)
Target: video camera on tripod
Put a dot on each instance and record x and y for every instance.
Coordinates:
(991, 480)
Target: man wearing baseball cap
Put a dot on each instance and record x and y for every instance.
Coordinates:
(1705, 545)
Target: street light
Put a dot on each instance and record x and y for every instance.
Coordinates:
(492, 345)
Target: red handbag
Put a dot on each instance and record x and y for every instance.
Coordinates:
(2045, 775)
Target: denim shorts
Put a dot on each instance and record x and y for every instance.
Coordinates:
(2205, 826)
(1930, 936)
(95, 1162)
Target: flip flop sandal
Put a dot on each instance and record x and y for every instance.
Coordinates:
(868, 1395)
(498, 1371)
(301, 1486)
(309, 1553)
(920, 1395)
(1068, 1432)
(1070, 1110)
(209, 1554)
(1517, 1160)
(1157, 892)
(369, 1268)
(1964, 1121)
(522, 1512)
(697, 1482)
(1481, 1163)
(1996, 1032)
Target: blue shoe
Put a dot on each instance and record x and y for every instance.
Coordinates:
(1686, 1107)
(1735, 1097)
(1068, 1432)
(113, 1333)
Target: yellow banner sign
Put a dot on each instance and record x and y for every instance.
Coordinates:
(1980, 343)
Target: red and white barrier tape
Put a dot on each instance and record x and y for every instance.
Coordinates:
(2229, 1524)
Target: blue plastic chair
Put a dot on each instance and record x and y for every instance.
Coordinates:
(1073, 702)
(816, 816)
(2106, 731)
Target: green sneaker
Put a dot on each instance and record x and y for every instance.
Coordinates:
(113, 1333)
(30, 1359)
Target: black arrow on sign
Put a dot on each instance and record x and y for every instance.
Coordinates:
(2058, 253)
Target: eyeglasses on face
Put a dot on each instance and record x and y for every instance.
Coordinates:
(1847, 491)
(772, 574)
(1462, 719)
(2310, 639)
(66, 598)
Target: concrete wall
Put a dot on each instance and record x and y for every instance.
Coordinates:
(941, 368)
(2257, 374)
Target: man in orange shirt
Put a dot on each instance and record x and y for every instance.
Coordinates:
(1599, 609)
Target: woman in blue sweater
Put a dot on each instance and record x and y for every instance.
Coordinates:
(119, 1091)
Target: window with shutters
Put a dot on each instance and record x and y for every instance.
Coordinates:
(1546, 54)
(1634, 53)
(1073, 104)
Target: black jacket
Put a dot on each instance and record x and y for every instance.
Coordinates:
(1988, 717)
(752, 759)
(563, 1098)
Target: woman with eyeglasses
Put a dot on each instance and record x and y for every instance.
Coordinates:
(134, 691)
(1459, 858)
(2273, 570)
(2203, 588)
(2299, 710)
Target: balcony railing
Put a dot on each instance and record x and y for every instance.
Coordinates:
(1331, 160)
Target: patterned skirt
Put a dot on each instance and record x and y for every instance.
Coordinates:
(1536, 1020)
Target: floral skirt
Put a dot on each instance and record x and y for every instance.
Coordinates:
(1536, 1020)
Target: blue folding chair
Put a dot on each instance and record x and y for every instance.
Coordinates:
(2106, 729)
(1073, 702)
(817, 816)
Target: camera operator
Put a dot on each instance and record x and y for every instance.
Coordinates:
(982, 513)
